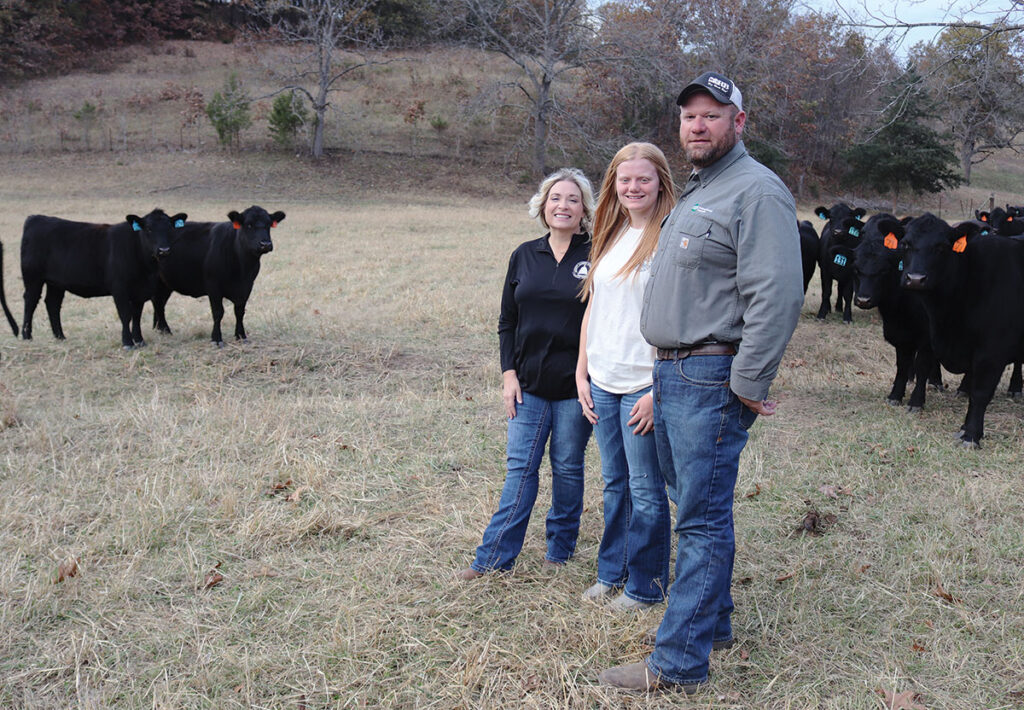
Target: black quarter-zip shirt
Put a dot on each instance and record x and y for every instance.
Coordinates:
(541, 315)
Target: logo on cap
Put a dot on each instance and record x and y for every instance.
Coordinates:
(715, 83)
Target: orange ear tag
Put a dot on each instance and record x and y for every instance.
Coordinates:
(890, 241)
(236, 225)
(984, 218)
(1009, 219)
(273, 224)
(960, 245)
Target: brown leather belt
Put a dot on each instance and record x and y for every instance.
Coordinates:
(705, 349)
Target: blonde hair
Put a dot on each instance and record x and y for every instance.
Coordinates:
(611, 215)
(573, 175)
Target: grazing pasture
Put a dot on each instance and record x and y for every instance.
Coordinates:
(276, 524)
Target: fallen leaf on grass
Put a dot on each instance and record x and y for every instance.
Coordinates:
(279, 487)
(907, 700)
(784, 577)
(929, 624)
(755, 492)
(531, 683)
(213, 577)
(918, 647)
(863, 568)
(296, 495)
(941, 593)
(67, 569)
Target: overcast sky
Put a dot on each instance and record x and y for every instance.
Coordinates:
(919, 11)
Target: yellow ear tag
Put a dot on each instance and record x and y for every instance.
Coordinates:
(960, 245)
(890, 241)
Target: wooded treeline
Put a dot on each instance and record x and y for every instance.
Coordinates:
(821, 94)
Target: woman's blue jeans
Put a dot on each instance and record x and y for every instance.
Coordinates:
(637, 539)
(701, 428)
(537, 420)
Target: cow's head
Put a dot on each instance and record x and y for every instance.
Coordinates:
(253, 228)
(842, 223)
(933, 249)
(879, 259)
(155, 231)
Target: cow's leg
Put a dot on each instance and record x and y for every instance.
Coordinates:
(239, 321)
(1016, 382)
(935, 372)
(964, 388)
(826, 295)
(160, 297)
(984, 380)
(54, 299)
(845, 290)
(137, 338)
(125, 312)
(924, 362)
(904, 363)
(33, 290)
(217, 309)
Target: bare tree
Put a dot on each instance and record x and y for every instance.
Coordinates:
(976, 74)
(323, 30)
(546, 39)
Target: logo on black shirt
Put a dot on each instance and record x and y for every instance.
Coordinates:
(581, 269)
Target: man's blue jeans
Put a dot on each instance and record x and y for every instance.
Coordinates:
(637, 541)
(701, 428)
(538, 419)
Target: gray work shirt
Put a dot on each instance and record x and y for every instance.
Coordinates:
(728, 270)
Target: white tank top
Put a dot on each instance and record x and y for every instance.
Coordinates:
(619, 360)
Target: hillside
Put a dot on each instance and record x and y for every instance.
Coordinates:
(440, 120)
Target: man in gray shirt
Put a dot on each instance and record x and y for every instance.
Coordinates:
(723, 300)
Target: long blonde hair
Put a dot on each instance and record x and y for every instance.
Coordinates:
(611, 215)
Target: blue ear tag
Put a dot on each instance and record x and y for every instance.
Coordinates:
(136, 227)
(854, 231)
(840, 260)
(821, 215)
(900, 266)
(179, 223)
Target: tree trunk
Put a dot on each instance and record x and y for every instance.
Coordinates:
(540, 128)
(966, 153)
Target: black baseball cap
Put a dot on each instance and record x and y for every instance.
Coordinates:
(722, 89)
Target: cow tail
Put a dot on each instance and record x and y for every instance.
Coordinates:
(3, 298)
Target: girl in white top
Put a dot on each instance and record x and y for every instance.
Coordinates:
(613, 379)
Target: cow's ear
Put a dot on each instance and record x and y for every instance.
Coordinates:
(859, 212)
(236, 219)
(179, 220)
(822, 212)
(135, 221)
(906, 220)
(893, 231)
(964, 232)
(277, 217)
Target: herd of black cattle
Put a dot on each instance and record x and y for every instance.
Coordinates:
(948, 295)
(142, 259)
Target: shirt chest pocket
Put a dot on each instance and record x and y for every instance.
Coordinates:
(691, 236)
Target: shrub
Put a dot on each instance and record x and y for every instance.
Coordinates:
(287, 116)
(228, 111)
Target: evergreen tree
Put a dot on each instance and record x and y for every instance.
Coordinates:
(904, 153)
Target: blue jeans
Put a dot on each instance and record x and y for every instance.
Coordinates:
(538, 419)
(637, 541)
(701, 428)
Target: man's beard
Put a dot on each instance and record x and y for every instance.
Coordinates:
(712, 153)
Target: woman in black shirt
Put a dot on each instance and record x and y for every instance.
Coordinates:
(538, 332)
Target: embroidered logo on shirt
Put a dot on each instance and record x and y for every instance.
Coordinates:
(581, 269)
(702, 210)
(685, 243)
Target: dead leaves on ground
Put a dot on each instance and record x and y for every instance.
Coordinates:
(940, 592)
(294, 494)
(907, 700)
(66, 570)
(212, 578)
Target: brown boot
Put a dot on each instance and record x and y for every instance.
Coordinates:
(468, 574)
(637, 676)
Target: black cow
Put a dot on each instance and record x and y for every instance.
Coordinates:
(1007, 222)
(838, 240)
(219, 260)
(973, 287)
(879, 267)
(3, 296)
(92, 260)
(809, 244)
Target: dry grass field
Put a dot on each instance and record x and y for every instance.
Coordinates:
(277, 524)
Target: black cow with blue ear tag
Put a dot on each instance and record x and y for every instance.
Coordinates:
(839, 239)
(90, 260)
(972, 287)
(218, 260)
